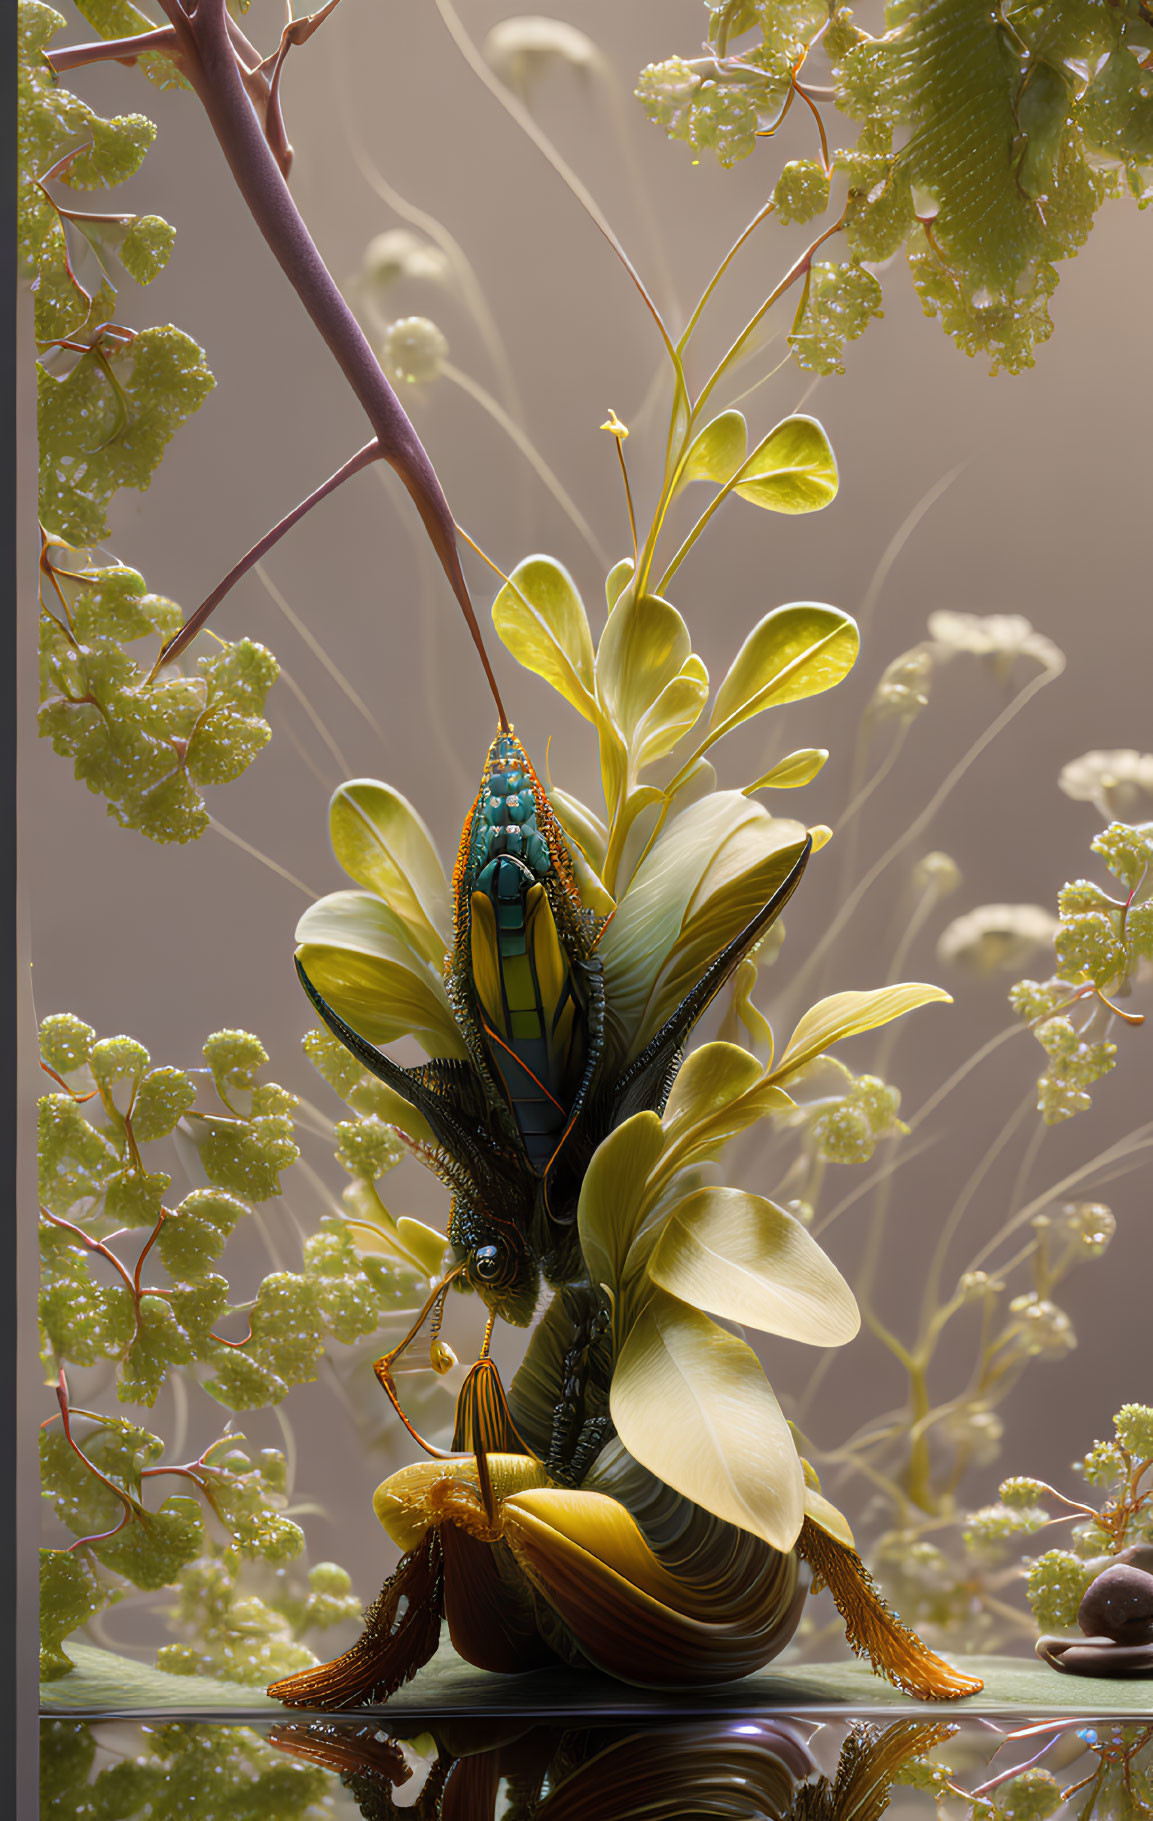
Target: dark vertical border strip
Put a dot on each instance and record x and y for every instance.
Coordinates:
(9, 1447)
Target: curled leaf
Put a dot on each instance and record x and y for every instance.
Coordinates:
(361, 957)
(613, 1195)
(796, 768)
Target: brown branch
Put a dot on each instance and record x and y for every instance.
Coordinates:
(211, 68)
(370, 453)
(211, 53)
(113, 50)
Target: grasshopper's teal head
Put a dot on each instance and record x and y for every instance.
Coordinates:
(504, 826)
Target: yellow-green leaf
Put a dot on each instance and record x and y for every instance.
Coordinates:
(617, 580)
(425, 1244)
(793, 470)
(692, 1404)
(827, 1518)
(795, 651)
(740, 1257)
(644, 646)
(796, 768)
(540, 616)
(705, 877)
(582, 826)
(612, 1199)
(718, 450)
(382, 843)
(360, 955)
(710, 1079)
(676, 709)
(845, 1014)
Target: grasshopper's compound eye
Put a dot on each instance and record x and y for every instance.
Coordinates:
(488, 1263)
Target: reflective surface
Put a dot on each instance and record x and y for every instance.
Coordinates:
(776, 1766)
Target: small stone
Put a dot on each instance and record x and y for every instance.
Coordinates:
(1119, 1605)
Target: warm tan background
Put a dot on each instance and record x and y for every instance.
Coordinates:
(1048, 517)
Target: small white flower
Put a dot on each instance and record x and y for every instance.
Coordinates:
(1117, 783)
(996, 937)
(399, 253)
(904, 686)
(937, 873)
(414, 349)
(519, 51)
(1003, 637)
(1040, 1326)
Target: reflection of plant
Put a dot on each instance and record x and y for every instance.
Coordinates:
(177, 1770)
(1108, 1764)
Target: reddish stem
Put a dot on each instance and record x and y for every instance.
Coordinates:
(93, 1245)
(113, 50)
(370, 453)
(211, 67)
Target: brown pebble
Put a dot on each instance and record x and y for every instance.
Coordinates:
(1119, 1605)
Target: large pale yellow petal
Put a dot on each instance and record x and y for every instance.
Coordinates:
(740, 1257)
(693, 1405)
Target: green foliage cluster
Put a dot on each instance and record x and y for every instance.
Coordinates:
(1121, 1471)
(185, 1772)
(238, 1637)
(110, 397)
(986, 139)
(1101, 941)
(101, 1179)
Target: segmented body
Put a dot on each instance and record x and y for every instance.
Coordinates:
(511, 966)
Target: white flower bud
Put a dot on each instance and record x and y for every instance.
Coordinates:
(996, 937)
(399, 253)
(520, 51)
(1119, 784)
(937, 873)
(414, 349)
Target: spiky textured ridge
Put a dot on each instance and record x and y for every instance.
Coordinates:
(395, 1643)
(872, 1630)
